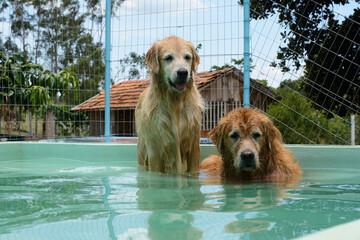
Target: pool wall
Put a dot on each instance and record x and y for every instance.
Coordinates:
(327, 155)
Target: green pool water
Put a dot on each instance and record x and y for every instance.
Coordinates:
(97, 191)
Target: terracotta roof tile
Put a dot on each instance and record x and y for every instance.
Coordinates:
(126, 94)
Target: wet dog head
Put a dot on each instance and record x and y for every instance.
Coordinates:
(244, 137)
(174, 61)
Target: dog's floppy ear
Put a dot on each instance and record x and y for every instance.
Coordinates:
(272, 134)
(217, 136)
(152, 58)
(196, 59)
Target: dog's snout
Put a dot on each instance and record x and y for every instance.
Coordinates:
(182, 73)
(247, 160)
(247, 155)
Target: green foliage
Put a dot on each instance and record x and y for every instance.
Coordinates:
(265, 82)
(300, 123)
(238, 63)
(39, 95)
(218, 68)
(133, 64)
(70, 121)
(16, 76)
(300, 16)
(329, 48)
(89, 84)
(23, 82)
(332, 68)
(198, 47)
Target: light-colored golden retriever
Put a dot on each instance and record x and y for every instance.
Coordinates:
(251, 149)
(168, 113)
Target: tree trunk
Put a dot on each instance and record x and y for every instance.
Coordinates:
(50, 124)
(36, 125)
(30, 124)
(358, 118)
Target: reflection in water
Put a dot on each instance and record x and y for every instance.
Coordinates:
(105, 180)
(249, 202)
(247, 226)
(164, 224)
(127, 204)
(171, 199)
(247, 197)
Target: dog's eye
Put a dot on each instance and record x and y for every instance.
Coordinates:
(169, 58)
(235, 135)
(187, 57)
(256, 135)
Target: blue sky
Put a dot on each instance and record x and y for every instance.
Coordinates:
(216, 24)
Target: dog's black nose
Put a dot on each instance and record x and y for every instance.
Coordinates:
(247, 160)
(182, 73)
(247, 155)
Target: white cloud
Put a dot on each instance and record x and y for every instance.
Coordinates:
(274, 76)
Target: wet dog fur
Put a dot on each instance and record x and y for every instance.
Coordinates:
(250, 147)
(168, 113)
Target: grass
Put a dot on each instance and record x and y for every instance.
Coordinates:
(22, 127)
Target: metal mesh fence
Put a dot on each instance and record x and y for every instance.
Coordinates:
(304, 64)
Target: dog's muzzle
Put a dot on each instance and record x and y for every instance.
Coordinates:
(180, 80)
(247, 160)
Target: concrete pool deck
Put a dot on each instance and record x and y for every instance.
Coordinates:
(349, 230)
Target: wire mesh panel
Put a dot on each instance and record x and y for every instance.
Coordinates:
(313, 64)
(304, 64)
(51, 60)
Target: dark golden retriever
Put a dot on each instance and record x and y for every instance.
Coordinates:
(251, 149)
(168, 113)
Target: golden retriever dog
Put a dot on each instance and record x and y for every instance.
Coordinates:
(251, 149)
(168, 113)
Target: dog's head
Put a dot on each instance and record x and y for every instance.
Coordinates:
(174, 61)
(244, 138)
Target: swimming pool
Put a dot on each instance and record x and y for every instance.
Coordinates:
(96, 191)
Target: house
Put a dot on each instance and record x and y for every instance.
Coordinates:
(222, 91)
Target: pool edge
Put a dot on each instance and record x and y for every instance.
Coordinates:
(350, 230)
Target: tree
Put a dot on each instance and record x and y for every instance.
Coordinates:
(332, 77)
(27, 86)
(21, 21)
(302, 19)
(91, 70)
(134, 63)
(56, 85)
(62, 41)
(329, 49)
(17, 74)
(239, 63)
(300, 123)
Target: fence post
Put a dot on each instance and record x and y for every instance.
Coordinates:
(246, 53)
(352, 130)
(107, 69)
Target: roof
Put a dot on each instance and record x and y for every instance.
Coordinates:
(126, 94)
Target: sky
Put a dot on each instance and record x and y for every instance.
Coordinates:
(215, 24)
